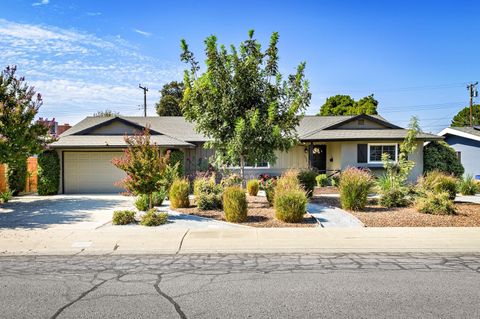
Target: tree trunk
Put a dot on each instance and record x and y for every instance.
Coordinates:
(242, 170)
(150, 201)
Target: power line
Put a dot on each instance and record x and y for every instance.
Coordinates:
(472, 90)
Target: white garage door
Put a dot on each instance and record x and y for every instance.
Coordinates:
(91, 172)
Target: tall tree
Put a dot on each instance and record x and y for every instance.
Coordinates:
(346, 105)
(242, 103)
(20, 136)
(106, 113)
(170, 100)
(462, 118)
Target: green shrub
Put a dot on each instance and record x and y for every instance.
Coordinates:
(158, 197)
(435, 203)
(308, 181)
(288, 180)
(335, 180)
(355, 184)
(48, 173)
(6, 196)
(178, 194)
(392, 191)
(177, 156)
(252, 187)
(437, 181)
(232, 180)
(270, 194)
(170, 174)
(123, 217)
(439, 156)
(142, 201)
(235, 204)
(154, 218)
(199, 183)
(290, 205)
(468, 186)
(322, 180)
(17, 176)
(209, 195)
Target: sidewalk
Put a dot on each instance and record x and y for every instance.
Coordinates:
(155, 240)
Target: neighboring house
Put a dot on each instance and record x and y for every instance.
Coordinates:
(54, 128)
(466, 142)
(327, 143)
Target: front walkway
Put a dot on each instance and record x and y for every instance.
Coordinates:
(333, 216)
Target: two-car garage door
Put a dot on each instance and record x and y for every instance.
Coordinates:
(91, 172)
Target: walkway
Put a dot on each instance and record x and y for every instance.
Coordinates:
(333, 216)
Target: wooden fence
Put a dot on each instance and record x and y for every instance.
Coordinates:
(31, 183)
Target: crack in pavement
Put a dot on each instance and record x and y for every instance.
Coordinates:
(181, 242)
(177, 307)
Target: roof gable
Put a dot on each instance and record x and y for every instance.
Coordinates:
(114, 126)
(369, 122)
(472, 133)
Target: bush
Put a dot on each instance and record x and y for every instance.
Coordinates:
(142, 201)
(123, 217)
(468, 186)
(290, 205)
(17, 176)
(288, 180)
(178, 194)
(6, 196)
(270, 194)
(48, 173)
(439, 156)
(177, 156)
(235, 204)
(232, 180)
(199, 183)
(308, 181)
(392, 191)
(335, 180)
(209, 195)
(437, 182)
(154, 218)
(435, 203)
(355, 184)
(252, 187)
(322, 180)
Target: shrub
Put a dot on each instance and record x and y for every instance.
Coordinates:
(158, 197)
(154, 218)
(252, 187)
(335, 180)
(232, 180)
(270, 194)
(123, 217)
(435, 203)
(48, 173)
(142, 201)
(322, 180)
(199, 183)
(439, 156)
(355, 184)
(392, 191)
(209, 195)
(17, 176)
(468, 186)
(235, 204)
(290, 205)
(178, 194)
(6, 196)
(437, 181)
(307, 179)
(288, 180)
(177, 156)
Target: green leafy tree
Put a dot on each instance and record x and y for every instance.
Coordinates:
(20, 136)
(170, 100)
(346, 105)
(439, 156)
(145, 166)
(462, 118)
(106, 113)
(242, 103)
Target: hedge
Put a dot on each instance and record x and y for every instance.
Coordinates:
(48, 173)
(439, 156)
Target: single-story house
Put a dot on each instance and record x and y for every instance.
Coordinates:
(327, 143)
(466, 142)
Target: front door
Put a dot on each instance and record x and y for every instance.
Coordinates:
(319, 157)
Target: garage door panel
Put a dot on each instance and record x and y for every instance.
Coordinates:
(91, 172)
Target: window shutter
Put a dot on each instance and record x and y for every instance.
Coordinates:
(362, 153)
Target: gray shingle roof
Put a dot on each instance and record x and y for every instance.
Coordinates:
(95, 141)
(365, 134)
(470, 130)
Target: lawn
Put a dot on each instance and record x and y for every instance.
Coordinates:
(468, 215)
(259, 214)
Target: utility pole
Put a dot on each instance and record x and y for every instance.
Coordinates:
(472, 88)
(145, 90)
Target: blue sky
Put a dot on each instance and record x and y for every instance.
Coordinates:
(85, 56)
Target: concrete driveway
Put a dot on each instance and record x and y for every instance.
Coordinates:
(62, 211)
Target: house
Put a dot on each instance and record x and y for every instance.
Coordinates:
(55, 129)
(327, 143)
(466, 142)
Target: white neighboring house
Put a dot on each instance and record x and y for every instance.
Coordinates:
(466, 142)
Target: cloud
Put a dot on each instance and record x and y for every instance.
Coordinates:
(144, 33)
(93, 14)
(79, 73)
(41, 3)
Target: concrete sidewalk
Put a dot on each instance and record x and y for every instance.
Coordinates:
(158, 240)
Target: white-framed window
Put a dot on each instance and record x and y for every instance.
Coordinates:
(259, 164)
(375, 151)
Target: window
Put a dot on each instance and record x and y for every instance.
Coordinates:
(375, 152)
(459, 156)
(260, 164)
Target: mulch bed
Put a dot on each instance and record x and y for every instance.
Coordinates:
(468, 215)
(325, 190)
(259, 214)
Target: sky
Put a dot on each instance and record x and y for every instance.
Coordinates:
(83, 56)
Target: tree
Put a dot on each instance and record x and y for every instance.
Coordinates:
(441, 157)
(346, 105)
(106, 113)
(463, 117)
(170, 101)
(242, 103)
(20, 136)
(144, 165)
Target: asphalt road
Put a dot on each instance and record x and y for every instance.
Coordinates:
(241, 286)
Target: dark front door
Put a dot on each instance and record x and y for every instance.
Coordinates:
(319, 157)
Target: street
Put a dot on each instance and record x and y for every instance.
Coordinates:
(422, 285)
